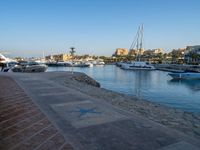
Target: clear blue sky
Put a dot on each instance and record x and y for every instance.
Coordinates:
(29, 27)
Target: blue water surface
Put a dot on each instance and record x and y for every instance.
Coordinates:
(154, 86)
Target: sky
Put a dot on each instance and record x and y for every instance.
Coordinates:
(96, 27)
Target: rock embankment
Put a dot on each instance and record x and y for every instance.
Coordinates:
(85, 79)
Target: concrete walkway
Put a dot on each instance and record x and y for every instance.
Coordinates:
(88, 123)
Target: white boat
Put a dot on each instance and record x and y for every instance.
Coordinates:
(80, 64)
(6, 63)
(185, 75)
(137, 65)
(89, 63)
(98, 62)
(29, 67)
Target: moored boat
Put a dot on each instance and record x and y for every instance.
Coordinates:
(29, 67)
(138, 65)
(185, 75)
(138, 43)
(6, 63)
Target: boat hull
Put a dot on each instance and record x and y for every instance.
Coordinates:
(137, 66)
(35, 68)
(185, 75)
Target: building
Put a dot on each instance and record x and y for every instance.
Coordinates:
(192, 54)
(121, 52)
(195, 49)
(135, 52)
(58, 57)
(153, 52)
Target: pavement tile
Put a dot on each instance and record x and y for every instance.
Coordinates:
(26, 133)
(14, 107)
(67, 147)
(6, 104)
(22, 124)
(17, 119)
(37, 139)
(15, 113)
(54, 143)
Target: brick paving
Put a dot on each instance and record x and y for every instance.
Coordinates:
(22, 125)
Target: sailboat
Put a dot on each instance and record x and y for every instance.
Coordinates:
(138, 43)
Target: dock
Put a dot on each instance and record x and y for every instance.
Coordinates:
(38, 114)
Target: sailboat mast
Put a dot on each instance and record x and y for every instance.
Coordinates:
(138, 36)
(141, 34)
(138, 42)
(43, 55)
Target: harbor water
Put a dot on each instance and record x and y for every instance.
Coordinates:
(154, 86)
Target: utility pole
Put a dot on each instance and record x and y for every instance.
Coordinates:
(72, 52)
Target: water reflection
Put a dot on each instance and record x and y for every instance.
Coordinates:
(154, 86)
(193, 85)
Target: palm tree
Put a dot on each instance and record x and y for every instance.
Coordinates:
(72, 52)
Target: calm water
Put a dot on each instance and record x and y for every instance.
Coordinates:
(154, 86)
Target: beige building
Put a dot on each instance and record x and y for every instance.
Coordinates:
(121, 52)
(153, 51)
(59, 57)
(134, 52)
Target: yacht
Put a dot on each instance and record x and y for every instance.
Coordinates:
(89, 63)
(185, 75)
(6, 63)
(137, 65)
(29, 67)
(98, 62)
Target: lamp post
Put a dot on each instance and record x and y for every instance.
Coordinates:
(72, 52)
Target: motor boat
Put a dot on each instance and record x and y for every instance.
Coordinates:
(6, 63)
(29, 67)
(185, 75)
(137, 65)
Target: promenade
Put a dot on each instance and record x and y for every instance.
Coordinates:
(38, 113)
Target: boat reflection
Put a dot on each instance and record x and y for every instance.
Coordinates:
(193, 85)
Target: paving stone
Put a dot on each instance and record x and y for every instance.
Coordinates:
(67, 147)
(36, 140)
(22, 124)
(53, 143)
(17, 119)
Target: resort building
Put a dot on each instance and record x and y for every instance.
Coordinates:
(153, 52)
(192, 54)
(135, 52)
(121, 52)
(59, 57)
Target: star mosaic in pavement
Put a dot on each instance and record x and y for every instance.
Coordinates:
(85, 111)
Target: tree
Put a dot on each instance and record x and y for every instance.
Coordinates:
(176, 56)
(72, 51)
